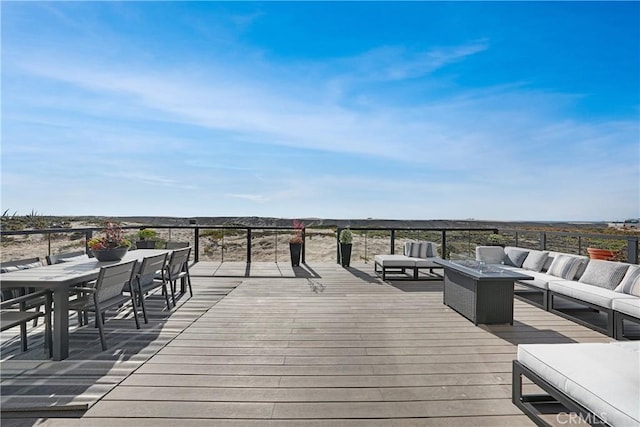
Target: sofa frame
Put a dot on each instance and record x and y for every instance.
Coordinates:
(527, 403)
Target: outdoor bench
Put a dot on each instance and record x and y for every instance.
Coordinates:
(417, 256)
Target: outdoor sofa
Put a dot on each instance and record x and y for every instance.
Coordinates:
(417, 256)
(609, 287)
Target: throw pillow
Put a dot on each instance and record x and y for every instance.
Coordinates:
(413, 249)
(515, 256)
(630, 283)
(605, 274)
(8, 269)
(423, 250)
(564, 266)
(535, 260)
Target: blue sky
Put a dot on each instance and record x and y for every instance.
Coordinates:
(408, 110)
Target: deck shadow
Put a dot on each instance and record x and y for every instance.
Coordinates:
(522, 333)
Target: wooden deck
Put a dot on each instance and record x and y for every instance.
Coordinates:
(319, 346)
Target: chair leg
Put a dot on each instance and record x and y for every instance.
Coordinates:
(173, 292)
(189, 281)
(23, 336)
(133, 306)
(100, 323)
(166, 295)
(144, 309)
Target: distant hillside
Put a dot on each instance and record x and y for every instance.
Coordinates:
(370, 222)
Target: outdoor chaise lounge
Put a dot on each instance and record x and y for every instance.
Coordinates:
(417, 256)
(592, 383)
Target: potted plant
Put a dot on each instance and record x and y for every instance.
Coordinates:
(345, 237)
(147, 239)
(112, 246)
(296, 242)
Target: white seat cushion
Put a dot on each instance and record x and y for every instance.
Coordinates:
(603, 377)
(395, 261)
(630, 306)
(426, 262)
(540, 280)
(589, 293)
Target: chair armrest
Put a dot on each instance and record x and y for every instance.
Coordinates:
(25, 298)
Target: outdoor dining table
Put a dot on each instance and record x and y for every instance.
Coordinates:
(60, 278)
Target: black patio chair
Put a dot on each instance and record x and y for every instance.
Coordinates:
(178, 269)
(17, 312)
(150, 277)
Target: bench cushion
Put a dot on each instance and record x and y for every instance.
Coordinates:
(594, 294)
(606, 274)
(603, 377)
(426, 262)
(630, 306)
(395, 261)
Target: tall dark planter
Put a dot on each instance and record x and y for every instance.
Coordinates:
(345, 254)
(296, 252)
(146, 244)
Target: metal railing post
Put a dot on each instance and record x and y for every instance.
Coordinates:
(632, 250)
(196, 244)
(304, 235)
(248, 246)
(338, 230)
(87, 236)
(444, 244)
(543, 241)
(393, 241)
(579, 245)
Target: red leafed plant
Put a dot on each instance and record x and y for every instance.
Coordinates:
(113, 238)
(298, 226)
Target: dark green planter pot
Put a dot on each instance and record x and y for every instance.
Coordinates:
(146, 244)
(296, 251)
(115, 254)
(345, 254)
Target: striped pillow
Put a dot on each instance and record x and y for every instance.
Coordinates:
(630, 283)
(605, 274)
(564, 266)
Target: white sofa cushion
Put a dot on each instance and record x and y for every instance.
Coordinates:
(426, 262)
(490, 254)
(564, 266)
(395, 261)
(515, 256)
(535, 260)
(540, 280)
(588, 293)
(630, 283)
(603, 377)
(630, 306)
(606, 274)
